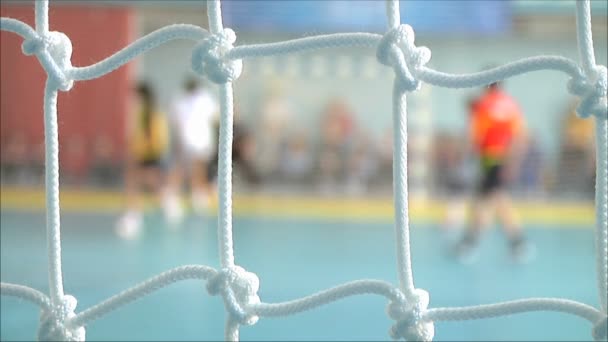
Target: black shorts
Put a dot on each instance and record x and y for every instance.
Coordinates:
(149, 163)
(491, 179)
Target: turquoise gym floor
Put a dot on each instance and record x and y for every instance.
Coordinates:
(293, 257)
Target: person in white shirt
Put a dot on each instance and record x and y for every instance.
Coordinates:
(192, 123)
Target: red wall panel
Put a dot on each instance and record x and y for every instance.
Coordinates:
(92, 110)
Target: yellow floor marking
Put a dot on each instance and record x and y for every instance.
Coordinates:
(574, 214)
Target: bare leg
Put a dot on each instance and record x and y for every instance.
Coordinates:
(198, 176)
(507, 215)
(129, 225)
(133, 199)
(170, 190)
(176, 176)
(481, 213)
(521, 250)
(153, 179)
(200, 186)
(480, 216)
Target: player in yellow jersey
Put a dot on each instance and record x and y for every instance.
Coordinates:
(147, 140)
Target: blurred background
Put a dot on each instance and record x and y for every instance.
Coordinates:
(317, 131)
(288, 103)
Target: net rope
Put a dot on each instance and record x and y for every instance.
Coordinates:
(216, 58)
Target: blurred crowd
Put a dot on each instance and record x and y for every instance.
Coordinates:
(22, 163)
(340, 156)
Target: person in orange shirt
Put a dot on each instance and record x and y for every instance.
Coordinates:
(498, 135)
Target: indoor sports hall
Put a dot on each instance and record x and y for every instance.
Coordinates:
(303, 170)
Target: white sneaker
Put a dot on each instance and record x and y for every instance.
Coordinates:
(129, 225)
(173, 211)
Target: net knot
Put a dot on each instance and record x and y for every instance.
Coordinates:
(33, 45)
(239, 289)
(600, 329)
(410, 323)
(390, 53)
(592, 93)
(59, 47)
(209, 58)
(53, 323)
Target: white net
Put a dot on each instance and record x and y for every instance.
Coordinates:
(216, 58)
